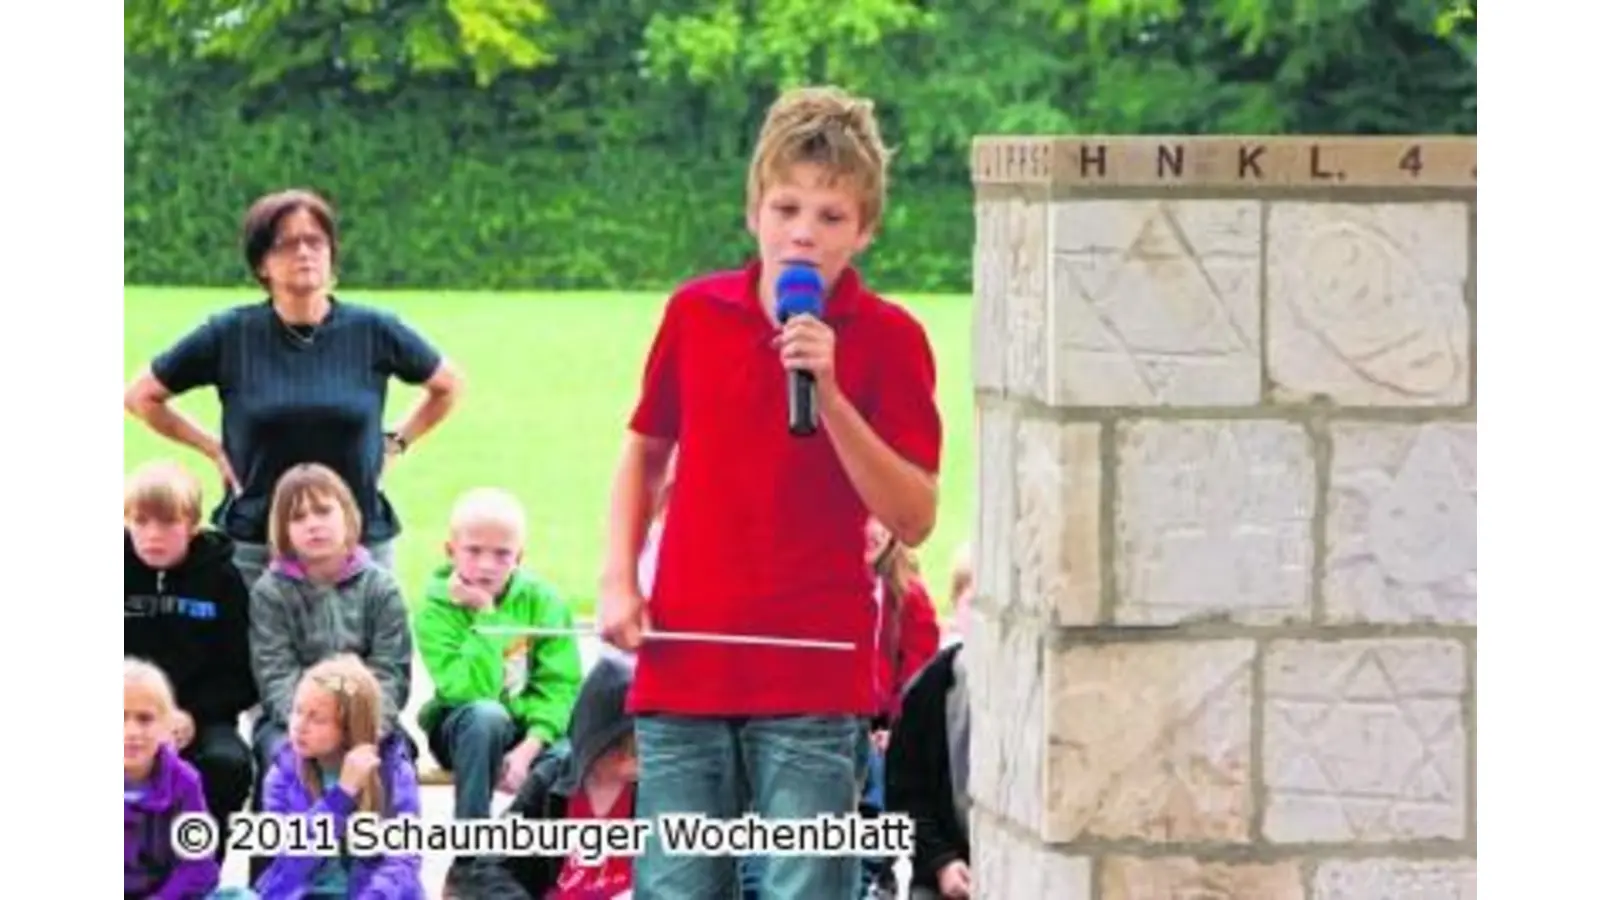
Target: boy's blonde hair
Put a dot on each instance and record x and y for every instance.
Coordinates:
(961, 587)
(162, 490)
(148, 676)
(299, 486)
(489, 506)
(832, 129)
(356, 691)
(961, 571)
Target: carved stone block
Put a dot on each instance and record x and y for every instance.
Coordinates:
(1403, 524)
(1365, 741)
(1366, 304)
(1157, 303)
(1214, 520)
(1149, 741)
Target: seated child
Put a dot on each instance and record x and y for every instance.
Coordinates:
(157, 787)
(925, 773)
(591, 775)
(961, 588)
(500, 699)
(908, 636)
(186, 609)
(337, 763)
(322, 595)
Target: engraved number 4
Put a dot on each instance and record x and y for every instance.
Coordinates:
(1412, 160)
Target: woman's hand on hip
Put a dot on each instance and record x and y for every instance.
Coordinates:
(230, 481)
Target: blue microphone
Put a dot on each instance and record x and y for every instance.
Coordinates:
(799, 291)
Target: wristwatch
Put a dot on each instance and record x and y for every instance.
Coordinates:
(396, 440)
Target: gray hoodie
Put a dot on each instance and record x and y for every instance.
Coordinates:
(599, 717)
(295, 624)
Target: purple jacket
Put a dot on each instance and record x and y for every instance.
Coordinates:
(371, 878)
(150, 866)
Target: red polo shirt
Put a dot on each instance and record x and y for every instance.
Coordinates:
(766, 534)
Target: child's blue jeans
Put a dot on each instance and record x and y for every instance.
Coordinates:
(472, 741)
(796, 767)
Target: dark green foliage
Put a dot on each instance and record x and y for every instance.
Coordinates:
(603, 143)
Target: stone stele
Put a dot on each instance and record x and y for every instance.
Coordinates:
(1225, 631)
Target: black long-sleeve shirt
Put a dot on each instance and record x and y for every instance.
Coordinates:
(193, 622)
(917, 770)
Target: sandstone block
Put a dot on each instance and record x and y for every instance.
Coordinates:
(1214, 520)
(1010, 274)
(1056, 542)
(1367, 304)
(1006, 693)
(1173, 878)
(993, 571)
(1364, 741)
(1007, 866)
(1148, 741)
(1403, 524)
(1396, 879)
(1156, 303)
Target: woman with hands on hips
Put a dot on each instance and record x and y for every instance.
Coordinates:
(302, 377)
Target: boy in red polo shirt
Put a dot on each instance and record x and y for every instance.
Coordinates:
(767, 530)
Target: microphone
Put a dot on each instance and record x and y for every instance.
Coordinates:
(799, 291)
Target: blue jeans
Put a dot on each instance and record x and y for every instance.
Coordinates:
(471, 741)
(778, 768)
(872, 805)
(872, 797)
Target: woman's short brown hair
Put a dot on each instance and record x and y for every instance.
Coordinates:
(299, 486)
(267, 213)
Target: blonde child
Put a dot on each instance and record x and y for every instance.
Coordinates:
(907, 637)
(338, 762)
(764, 532)
(157, 787)
(322, 595)
(908, 625)
(499, 699)
(961, 588)
(186, 609)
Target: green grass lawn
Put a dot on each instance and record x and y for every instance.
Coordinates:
(551, 380)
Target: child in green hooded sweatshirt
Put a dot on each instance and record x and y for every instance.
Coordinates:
(499, 699)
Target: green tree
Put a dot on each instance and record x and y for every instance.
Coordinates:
(367, 44)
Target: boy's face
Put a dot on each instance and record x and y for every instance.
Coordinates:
(159, 543)
(314, 729)
(801, 217)
(484, 554)
(144, 727)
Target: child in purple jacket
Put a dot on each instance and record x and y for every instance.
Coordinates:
(157, 787)
(334, 764)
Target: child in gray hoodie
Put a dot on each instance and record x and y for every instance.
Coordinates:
(322, 595)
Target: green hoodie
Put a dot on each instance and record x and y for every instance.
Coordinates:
(535, 678)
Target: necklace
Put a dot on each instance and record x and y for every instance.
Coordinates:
(303, 334)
